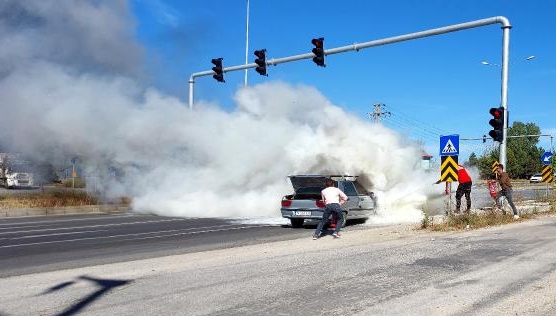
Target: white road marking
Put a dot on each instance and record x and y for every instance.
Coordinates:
(60, 234)
(173, 232)
(68, 220)
(88, 226)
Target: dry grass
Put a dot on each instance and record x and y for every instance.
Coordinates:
(73, 183)
(54, 198)
(455, 222)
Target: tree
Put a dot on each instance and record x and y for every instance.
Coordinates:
(473, 161)
(523, 155)
(484, 164)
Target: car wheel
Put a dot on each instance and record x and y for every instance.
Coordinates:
(297, 222)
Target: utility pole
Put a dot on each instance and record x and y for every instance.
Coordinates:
(378, 111)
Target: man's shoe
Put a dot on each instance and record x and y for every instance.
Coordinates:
(336, 235)
(315, 237)
(516, 216)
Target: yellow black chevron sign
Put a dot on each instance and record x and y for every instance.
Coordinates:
(547, 174)
(495, 167)
(449, 168)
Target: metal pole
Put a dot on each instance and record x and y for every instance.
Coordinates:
(246, 41)
(504, 89)
(356, 47)
(191, 86)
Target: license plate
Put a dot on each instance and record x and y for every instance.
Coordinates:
(302, 213)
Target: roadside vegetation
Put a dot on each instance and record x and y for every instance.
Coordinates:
(466, 221)
(75, 183)
(51, 198)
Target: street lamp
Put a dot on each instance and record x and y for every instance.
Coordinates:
(486, 63)
(489, 64)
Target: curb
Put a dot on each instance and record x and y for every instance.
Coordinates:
(67, 210)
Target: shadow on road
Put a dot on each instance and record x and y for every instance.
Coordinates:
(104, 285)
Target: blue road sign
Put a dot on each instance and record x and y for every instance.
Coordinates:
(449, 145)
(546, 157)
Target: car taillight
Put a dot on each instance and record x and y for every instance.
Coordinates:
(286, 203)
(320, 203)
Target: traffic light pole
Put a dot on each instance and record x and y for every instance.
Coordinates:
(504, 90)
(432, 32)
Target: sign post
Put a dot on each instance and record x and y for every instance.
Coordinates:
(449, 150)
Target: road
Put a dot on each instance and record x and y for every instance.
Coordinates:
(394, 270)
(39, 244)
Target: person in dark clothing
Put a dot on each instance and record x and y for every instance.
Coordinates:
(464, 188)
(506, 185)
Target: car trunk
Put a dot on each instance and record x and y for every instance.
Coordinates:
(308, 181)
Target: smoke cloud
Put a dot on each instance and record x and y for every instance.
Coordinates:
(68, 85)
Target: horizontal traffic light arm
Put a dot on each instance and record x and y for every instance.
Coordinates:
(358, 46)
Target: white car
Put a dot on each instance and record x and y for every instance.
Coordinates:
(536, 178)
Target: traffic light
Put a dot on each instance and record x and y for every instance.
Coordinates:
(219, 76)
(318, 51)
(261, 62)
(497, 123)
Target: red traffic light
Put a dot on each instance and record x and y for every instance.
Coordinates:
(497, 123)
(318, 42)
(260, 53)
(496, 112)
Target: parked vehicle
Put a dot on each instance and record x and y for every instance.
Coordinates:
(536, 178)
(14, 173)
(306, 202)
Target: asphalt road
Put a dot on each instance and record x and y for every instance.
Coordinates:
(507, 270)
(39, 244)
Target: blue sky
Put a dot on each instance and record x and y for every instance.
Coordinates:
(432, 86)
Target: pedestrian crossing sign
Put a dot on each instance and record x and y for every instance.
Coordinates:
(449, 145)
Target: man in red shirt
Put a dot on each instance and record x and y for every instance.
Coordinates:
(464, 187)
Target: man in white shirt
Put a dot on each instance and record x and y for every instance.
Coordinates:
(333, 199)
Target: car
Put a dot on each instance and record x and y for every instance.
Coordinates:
(305, 203)
(536, 178)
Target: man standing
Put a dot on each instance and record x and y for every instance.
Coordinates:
(464, 187)
(505, 184)
(333, 199)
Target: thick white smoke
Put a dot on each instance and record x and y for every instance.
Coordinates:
(205, 162)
